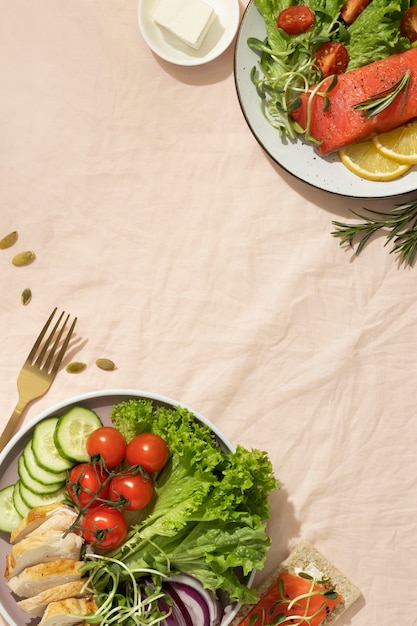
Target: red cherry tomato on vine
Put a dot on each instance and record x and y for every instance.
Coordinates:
(408, 25)
(351, 9)
(296, 20)
(136, 489)
(104, 527)
(148, 450)
(109, 443)
(85, 484)
(332, 58)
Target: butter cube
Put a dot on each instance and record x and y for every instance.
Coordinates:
(188, 20)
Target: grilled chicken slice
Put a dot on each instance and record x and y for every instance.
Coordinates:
(42, 548)
(68, 612)
(38, 578)
(36, 605)
(56, 516)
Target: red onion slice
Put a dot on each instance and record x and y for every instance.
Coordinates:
(202, 606)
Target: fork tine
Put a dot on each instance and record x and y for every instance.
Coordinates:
(38, 362)
(56, 343)
(63, 349)
(38, 342)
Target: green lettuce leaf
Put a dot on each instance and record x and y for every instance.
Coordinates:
(375, 34)
(211, 506)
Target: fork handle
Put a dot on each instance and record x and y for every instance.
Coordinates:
(11, 425)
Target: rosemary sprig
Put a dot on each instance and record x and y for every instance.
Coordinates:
(401, 224)
(380, 101)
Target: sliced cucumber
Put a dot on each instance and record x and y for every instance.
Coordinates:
(37, 472)
(44, 448)
(32, 500)
(22, 508)
(72, 432)
(9, 517)
(32, 484)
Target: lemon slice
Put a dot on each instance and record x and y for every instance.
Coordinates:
(399, 144)
(364, 160)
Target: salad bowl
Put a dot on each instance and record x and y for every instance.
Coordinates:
(298, 157)
(102, 403)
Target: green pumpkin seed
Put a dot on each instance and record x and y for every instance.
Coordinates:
(75, 367)
(8, 240)
(106, 364)
(23, 258)
(26, 296)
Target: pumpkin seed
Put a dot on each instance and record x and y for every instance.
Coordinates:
(23, 258)
(26, 296)
(75, 367)
(106, 364)
(8, 240)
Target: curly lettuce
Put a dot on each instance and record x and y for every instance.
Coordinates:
(211, 506)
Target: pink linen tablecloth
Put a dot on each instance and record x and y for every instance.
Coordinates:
(209, 275)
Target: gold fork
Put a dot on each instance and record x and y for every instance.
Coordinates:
(39, 369)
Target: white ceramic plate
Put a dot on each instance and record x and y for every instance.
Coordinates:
(298, 158)
(101, 402)
(217, 40)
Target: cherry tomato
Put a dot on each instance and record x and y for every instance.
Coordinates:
(351, 9)
(104, 527)
(332, 58)
(296, 20)
(134, 487)
(85, 484)
(148, 450)
(109, 443)
(408, 25)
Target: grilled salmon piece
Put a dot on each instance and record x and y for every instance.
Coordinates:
(340, 124)
(67, 612)
(42, 548)
(37, 578)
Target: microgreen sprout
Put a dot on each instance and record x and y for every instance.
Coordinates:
(124, 596)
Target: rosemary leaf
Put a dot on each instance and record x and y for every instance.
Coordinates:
(399, 225)
(380, 101)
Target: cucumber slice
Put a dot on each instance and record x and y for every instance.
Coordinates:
(22, 508)
(37, 472)
(72, 432)
(44, 448)
(9, 517)
(32, 484)
(32, 500)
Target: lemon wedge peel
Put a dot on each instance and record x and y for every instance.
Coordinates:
(399, 144)
(364, 160)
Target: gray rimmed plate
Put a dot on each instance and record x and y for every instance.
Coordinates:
(101, 402)
(298, 158)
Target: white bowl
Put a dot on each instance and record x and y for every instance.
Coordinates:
(101, 402)
(217, 40)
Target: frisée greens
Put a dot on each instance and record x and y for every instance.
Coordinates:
(287, 65)
(208, 517)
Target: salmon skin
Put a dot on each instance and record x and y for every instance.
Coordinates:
(340, 123)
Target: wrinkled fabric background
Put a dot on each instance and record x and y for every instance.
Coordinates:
(209, 275)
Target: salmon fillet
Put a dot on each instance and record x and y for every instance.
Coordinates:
(340, 124)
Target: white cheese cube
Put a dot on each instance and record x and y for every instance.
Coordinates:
(188, 20)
